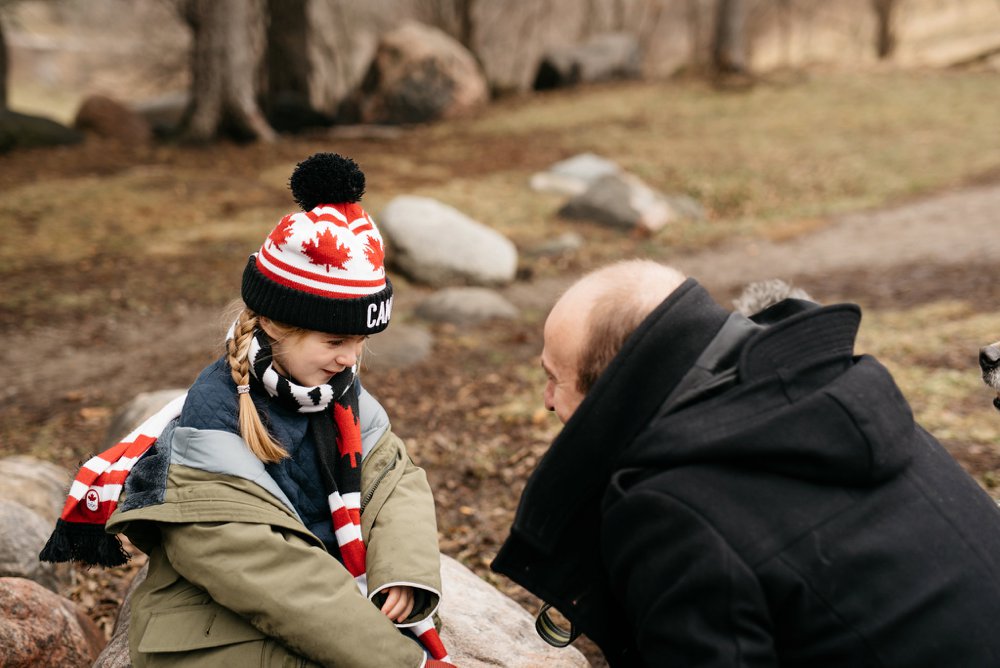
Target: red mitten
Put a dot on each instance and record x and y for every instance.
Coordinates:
(434, 663)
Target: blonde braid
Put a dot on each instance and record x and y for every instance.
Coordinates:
(252, 430)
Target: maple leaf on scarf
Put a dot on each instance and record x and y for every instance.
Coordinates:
(348, 442)
(326, 251)
(375, 253)
(279, 235)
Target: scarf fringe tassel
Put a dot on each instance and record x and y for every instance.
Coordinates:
(87, 544)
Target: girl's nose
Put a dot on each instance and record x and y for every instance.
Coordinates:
(349, 354)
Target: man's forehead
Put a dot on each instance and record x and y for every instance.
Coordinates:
(562, 344)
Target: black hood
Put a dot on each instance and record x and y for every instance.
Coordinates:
(803, 407)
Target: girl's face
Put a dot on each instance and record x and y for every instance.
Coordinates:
(313, 358)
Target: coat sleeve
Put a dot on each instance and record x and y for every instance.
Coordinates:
(403, 540)
(289, 590)
(690, 600)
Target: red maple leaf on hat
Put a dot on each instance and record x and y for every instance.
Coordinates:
(375, 253)
(325, 250)
(279, 235)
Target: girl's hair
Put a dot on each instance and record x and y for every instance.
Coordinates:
(252, 429)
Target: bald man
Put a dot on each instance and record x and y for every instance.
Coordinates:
(745, 492)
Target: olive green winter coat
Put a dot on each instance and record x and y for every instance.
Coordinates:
(235, 578)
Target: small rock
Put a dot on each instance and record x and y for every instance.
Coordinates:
(465, 306)
(573, 175)
(398, 347)
(623, 200)
(40, 629)
(438, 245)
(106, 117)
(568, 242)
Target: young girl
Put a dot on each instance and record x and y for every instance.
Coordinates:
(284, 522)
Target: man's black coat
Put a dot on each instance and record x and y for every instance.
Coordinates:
(729, 494)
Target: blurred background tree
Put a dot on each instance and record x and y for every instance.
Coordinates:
(3, 66)
(729, 43)
(224, 62)
(885, 33)
(251, 68)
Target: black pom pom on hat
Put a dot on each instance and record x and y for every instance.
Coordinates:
(326, 178)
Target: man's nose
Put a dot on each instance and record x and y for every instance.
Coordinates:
(989, 357)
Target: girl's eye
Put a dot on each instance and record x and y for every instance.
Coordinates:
(336, 342)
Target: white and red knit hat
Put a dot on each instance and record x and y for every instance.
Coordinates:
(323, 268)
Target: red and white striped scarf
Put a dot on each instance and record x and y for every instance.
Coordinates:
(79, 534)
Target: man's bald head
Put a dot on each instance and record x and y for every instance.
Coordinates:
(589, 324)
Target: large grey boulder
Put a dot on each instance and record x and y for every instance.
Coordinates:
(115, 653)
(438, 245)
(601, 58)
(626, 201)
(22, 536)
(35, 484)
(40, 629)
(418, 74)
(481, 627)
(465, 306)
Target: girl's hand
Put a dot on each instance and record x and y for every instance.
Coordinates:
(398, 603)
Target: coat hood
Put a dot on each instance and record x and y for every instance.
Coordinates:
(802, 406)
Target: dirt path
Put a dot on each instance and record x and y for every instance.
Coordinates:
(961, 228)
(945, 244)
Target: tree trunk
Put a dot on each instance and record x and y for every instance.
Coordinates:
(699, 60)
(885, 27)
(729, 49)
(466, 25)
(455, 17)
(3, 68)
(224, 67)
(288, 63)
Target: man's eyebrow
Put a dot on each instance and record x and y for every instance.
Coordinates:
(545, 367)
